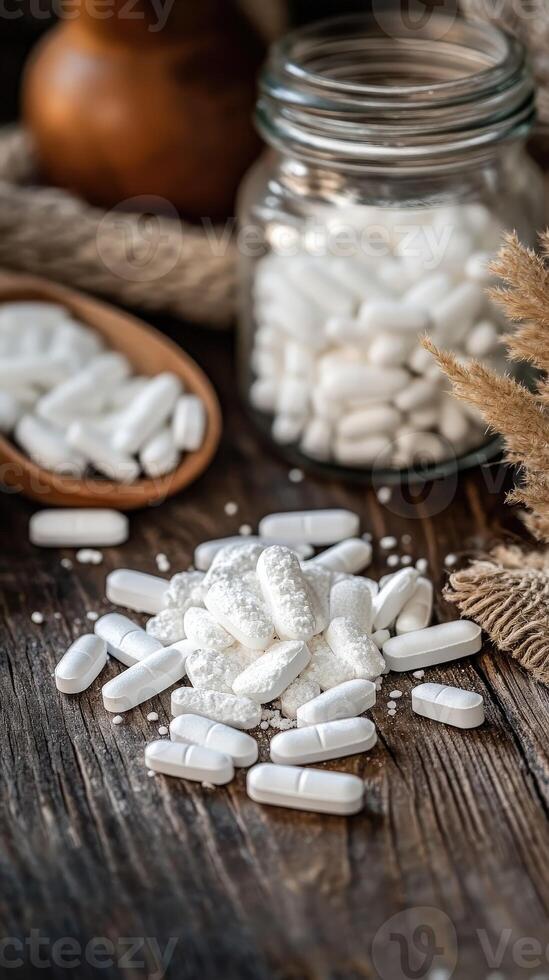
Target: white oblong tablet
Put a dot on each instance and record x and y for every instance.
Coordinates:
(392, 598)
(432, 646)
(240, 613)
(205, 553)
(352, 598)
(306, 789)
(316, 527)
(319, 743)
(81, 664)
(286, 594)
(187, 761)
(416, 614)
(78, 528)
(347, 700)
(228, 709)
(147, 678)
(269, 676)
(125, 640)
(241, 748)
(137, 591)
(449, 705)
(351, 556)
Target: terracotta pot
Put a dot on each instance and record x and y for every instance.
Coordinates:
(122, 107)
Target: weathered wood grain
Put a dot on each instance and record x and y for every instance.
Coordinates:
(92, 847)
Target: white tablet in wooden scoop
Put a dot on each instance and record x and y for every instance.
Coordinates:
(433, 646)
(449, 705)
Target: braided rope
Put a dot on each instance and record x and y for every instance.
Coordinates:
(159, 264)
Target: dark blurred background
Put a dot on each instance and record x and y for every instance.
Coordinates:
(23, 22)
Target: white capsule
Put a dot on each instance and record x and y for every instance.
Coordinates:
(454, 316)
(371, 451)
(81, 664)
(93, 445)
(293, 396)
(298, 360)
(420, 392)
(263, 394)
(35, 369)
(380, 315)
(348, 381)
(392, 598)
(483, 339)
(419, 447)
(10, 411)
(269, 676)
(297, 694)
(421, 361)
(369, 422)
(416, 614)
(315, 527)
(428, 291)
(204, 631)
(136, 590)
(286, 594)
(477, 267)
(391, 349)
(87, 391)
(125, 641)
(352, 598)
(147, 678)
(350, 556)
(160, 454)
(148, 412)
(313, 790)
(197, 730)
(241, 713)
(316, 441)
(47, 447)
(354, 648)
(449, 705)
(288, 428)
(186, 761)
(206, 552)
(433, 646)
(314, 281)
(240, 613)
(299, 317)
(320, 743)
(424, 419)
(78, 528)
(452, 423)
(346, 700)
(189, 423)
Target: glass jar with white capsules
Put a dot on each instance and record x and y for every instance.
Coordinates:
(397, 162)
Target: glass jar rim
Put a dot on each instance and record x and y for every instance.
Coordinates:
(367, 90)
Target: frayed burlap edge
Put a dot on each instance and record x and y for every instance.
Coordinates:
(507, 594)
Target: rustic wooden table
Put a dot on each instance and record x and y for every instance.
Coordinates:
(94, 853)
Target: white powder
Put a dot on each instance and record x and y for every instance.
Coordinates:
(89, 556)
(163, 563)
(296, 476)
(37, 618)
(231, 508)
(152, 716)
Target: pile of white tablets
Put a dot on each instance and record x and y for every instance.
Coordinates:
(76, 408)
(336, 355)
(258, 623)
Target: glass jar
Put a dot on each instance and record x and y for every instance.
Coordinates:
(397, 163)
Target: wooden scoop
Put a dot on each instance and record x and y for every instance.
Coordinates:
(150, 353)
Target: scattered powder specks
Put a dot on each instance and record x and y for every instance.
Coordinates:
(384, 495)
(422, 566)
(392, 712)
(245, 530)
(151, 773)
(117, 720)
(231, 508)
(208, 786)
(395, 695)
(406, 560)
(379, 684)
(66, 563)
(152, 716)
(391, 706)
(406, 540)
(264, 726)
(37, 618)
(450, 561)
(57, 615)
(163, 730)
(419, 674)
(163, 563)
(89, 556)
(92, 616)
(393, 561)
(296, 476)
(388, 543)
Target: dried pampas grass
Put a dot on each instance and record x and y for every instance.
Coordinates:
(507, 593)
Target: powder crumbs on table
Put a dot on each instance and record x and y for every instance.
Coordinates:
(89, 556)
(163, 730)
(117, 720)
(245, 530)
(92, 616)
(450, 561)
(388, 543)
(392, 712)
(66, 563)
(391, 706)
(419, 674)
(406, 560)
(151, 773)
(422, 566)
(231, 508)
(57, 615)
(163, 563)
(152, 716)
(395, 695)
(208, 786)
(393, 561)
(296, 476)
(384, 495)
(37, 618)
